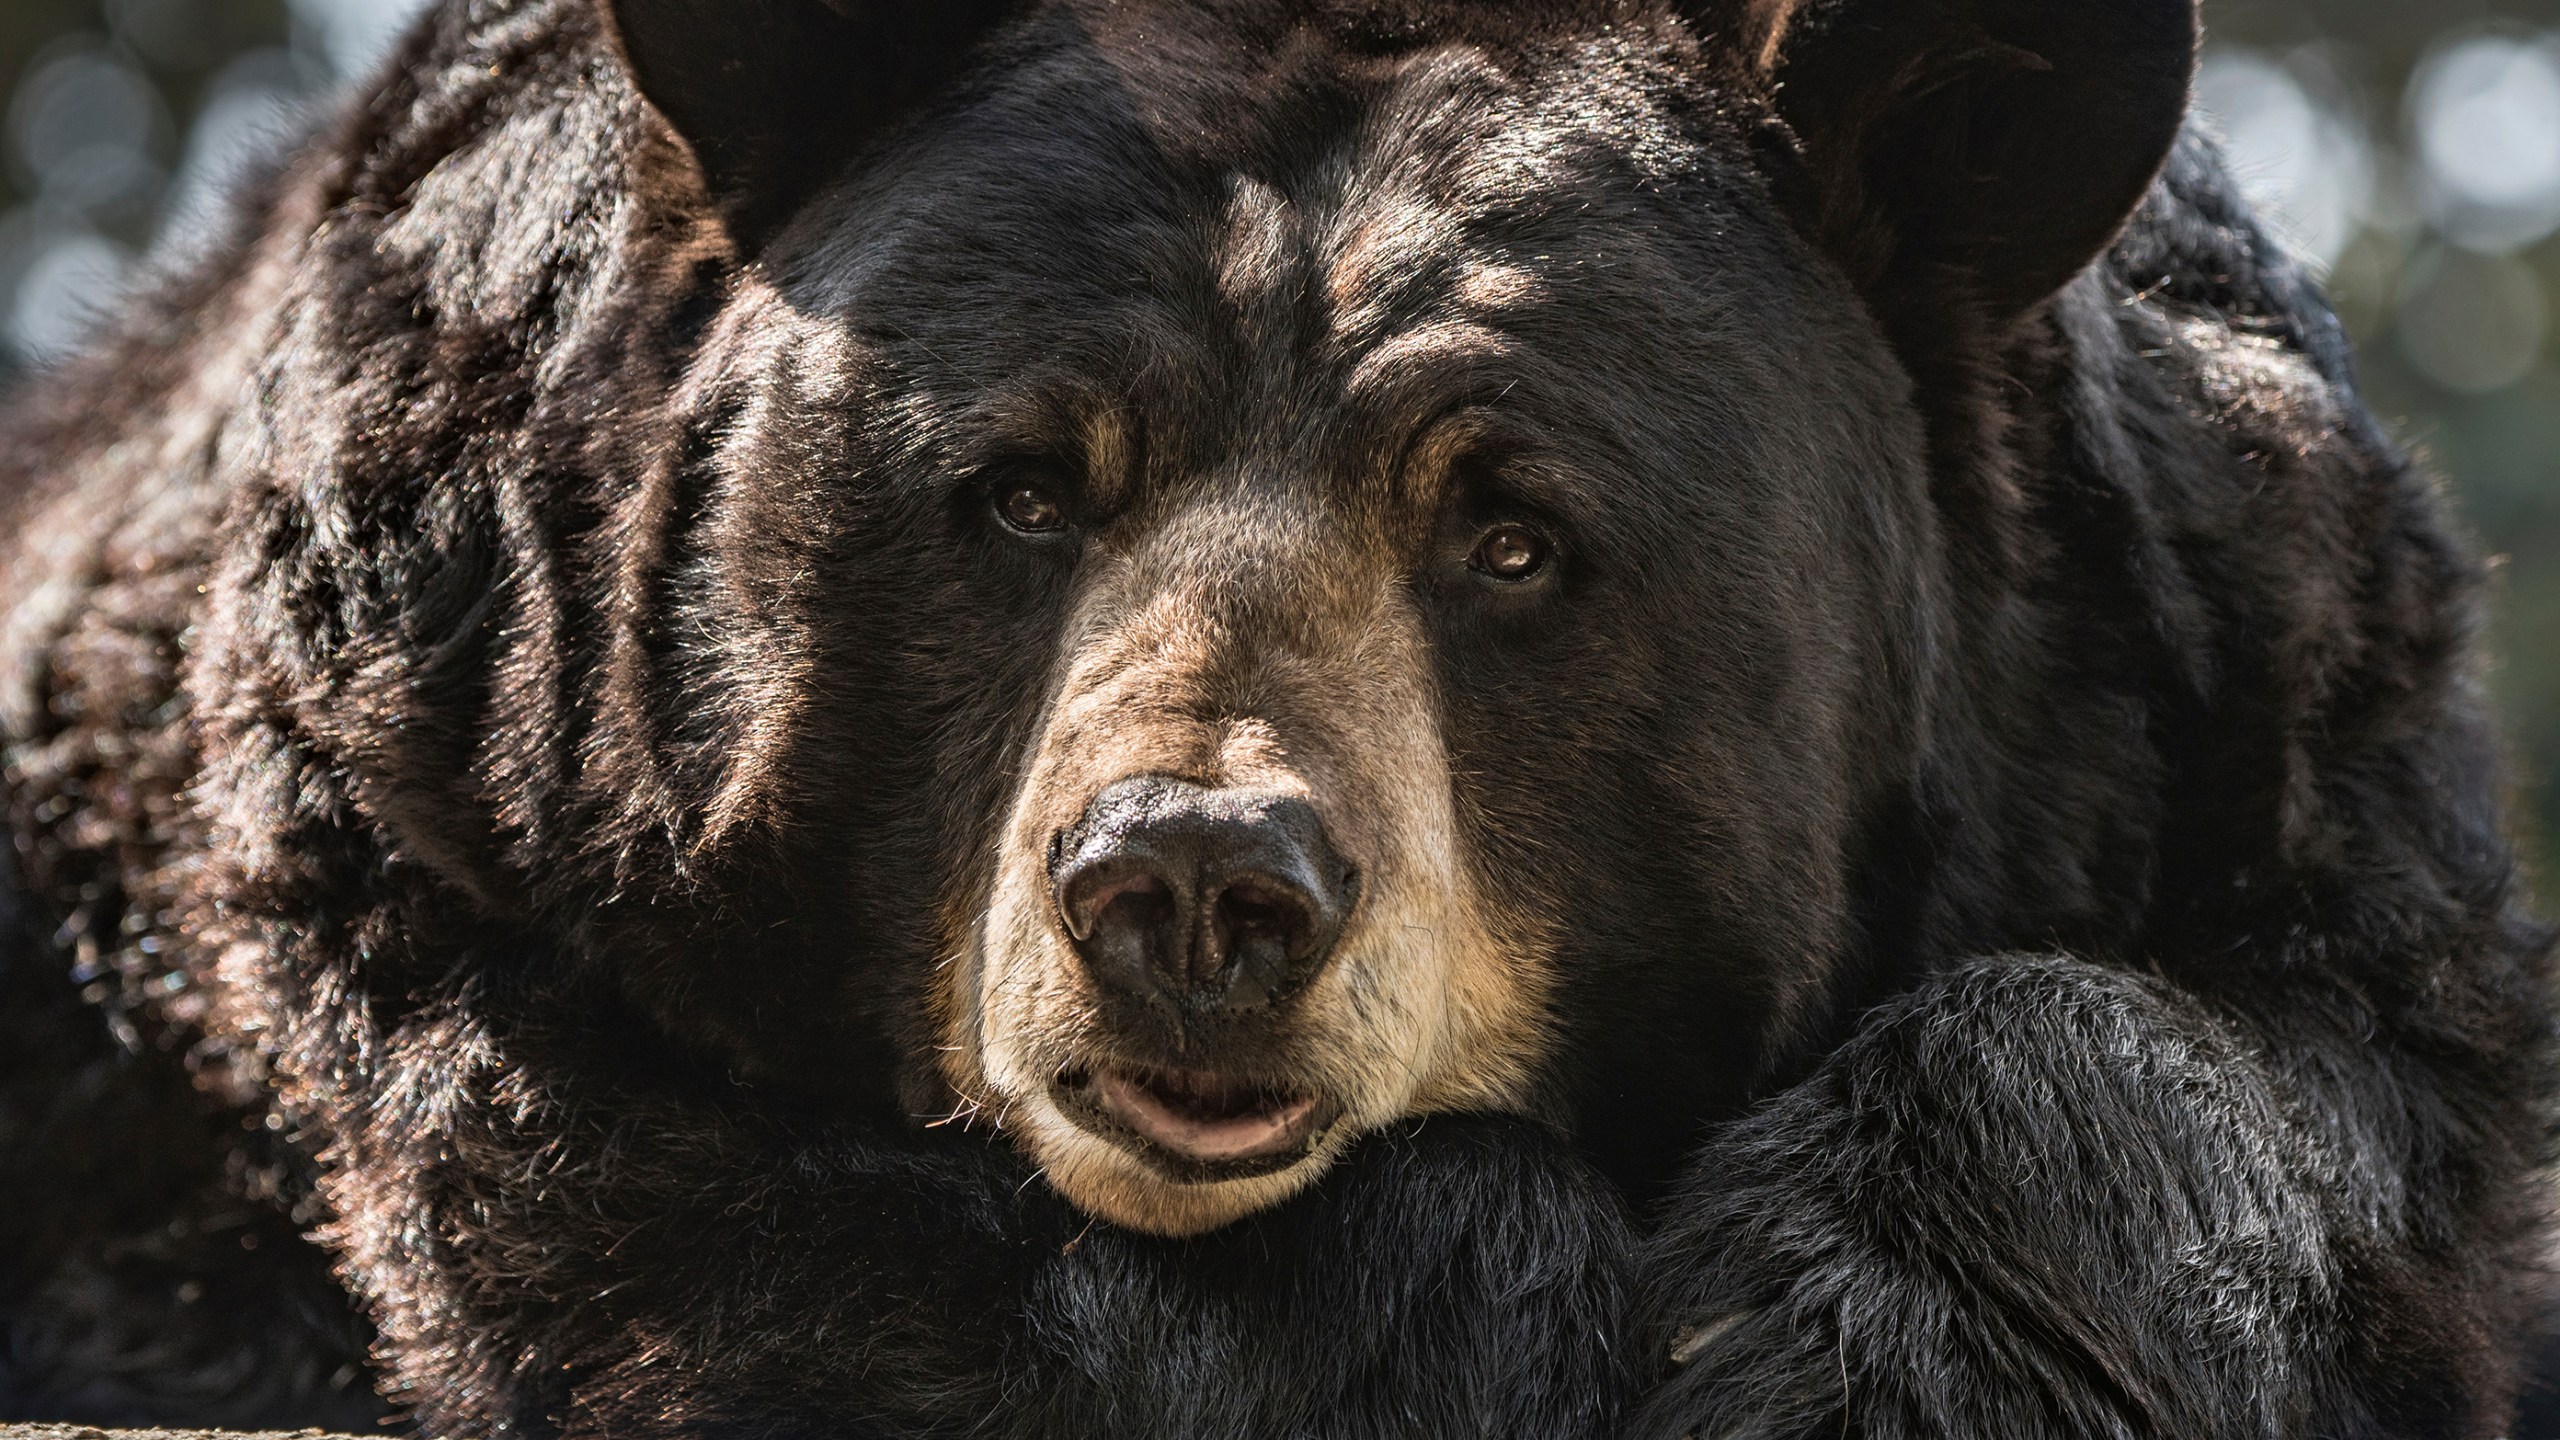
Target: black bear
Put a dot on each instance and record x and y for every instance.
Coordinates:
(1230, 718)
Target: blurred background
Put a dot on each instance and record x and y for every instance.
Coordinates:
(2410, 149)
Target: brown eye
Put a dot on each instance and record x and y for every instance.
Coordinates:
(1511, 552)
(1031, 509)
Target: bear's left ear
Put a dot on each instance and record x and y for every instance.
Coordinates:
(774, 94)
(1996, 145)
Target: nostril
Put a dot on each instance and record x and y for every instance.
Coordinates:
(1248, 911)
(1133, 899)
(1126, 922)
(1143, 903)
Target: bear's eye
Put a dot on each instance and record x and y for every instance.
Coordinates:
(1511, 552)
(1030, 508)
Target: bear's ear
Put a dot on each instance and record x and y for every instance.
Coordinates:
(773, 94)
(1997, 145)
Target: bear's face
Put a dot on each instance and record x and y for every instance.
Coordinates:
(1331, 585)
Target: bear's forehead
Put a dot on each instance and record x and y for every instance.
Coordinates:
(1293, 243)
(1246, 84)
(1214, 153)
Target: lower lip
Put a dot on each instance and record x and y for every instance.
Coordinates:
(1205, 1133)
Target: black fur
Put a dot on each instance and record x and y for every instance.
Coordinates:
(507, 683)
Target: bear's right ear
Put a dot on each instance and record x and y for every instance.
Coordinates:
(1994, 146)
(774, 94)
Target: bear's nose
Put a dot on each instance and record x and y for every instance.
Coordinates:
(1212, 900)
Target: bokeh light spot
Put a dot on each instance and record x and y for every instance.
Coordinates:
(2484, 111)
(2472, 323)
(66, 287)
(88, 129)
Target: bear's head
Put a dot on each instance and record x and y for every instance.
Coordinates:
(1228, 575)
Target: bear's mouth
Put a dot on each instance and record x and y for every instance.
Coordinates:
(1208, 1125)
